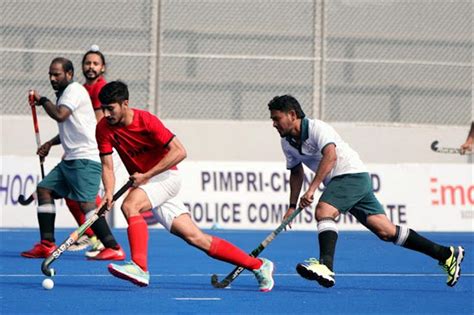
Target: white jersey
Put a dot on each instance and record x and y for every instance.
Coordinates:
(77, 132)
(315, 135)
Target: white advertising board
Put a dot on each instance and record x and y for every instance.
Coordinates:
(254, 195)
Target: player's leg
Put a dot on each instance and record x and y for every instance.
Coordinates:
(340, 195)
(322, 270)
(136, 270)
(184, 227)
(112, 250)
(51, 186)
(87, 239)
(449, 258)
(84, 177)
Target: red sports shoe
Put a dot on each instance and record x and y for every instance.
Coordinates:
(109, 254)
(40, 250)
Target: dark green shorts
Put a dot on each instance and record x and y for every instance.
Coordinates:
(74, 179)
(352, 193)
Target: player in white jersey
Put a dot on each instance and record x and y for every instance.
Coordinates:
(348, 188)
(78, 175)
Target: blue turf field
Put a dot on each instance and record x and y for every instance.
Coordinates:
(372, 277)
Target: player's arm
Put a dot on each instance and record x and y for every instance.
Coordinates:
(59, 113)
(43, 150)
(325, 166)
(108, 178)
(296, 182)
(467, 146)
(176, 154)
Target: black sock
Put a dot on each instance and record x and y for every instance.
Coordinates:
(327, 247)
(46, 225)
(415, 241)
(103, 233)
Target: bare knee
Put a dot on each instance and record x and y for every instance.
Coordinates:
(130, 209)
(324, 211)
(44, 195)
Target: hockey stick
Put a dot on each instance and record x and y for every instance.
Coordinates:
(78, 233)
(24, 202)
(238, 270)
(31, 101)
(436, 148)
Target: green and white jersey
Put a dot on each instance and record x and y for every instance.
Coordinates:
(77, 132)
(315, 136)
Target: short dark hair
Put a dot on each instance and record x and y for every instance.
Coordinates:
(98, 53)
(66, 63)
(113, 92)
(285, 103)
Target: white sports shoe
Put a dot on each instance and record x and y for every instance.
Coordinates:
(311, 269)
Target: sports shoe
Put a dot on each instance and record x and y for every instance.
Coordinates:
(41, 250)
(452, 265)
(82, 243)
(131, 272)
(96, 248)
(311, 269)
(264, 275)
(109, 254)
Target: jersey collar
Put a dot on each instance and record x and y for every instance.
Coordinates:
(60, 92)
(304, 134)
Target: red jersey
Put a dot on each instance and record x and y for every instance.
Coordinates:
(141, 145)
(94, 90)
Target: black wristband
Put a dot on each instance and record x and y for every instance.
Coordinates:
(42, 101)
(292, 205)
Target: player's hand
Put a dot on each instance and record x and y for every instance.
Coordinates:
(35, 96)
(466, 147)
(108, 200)
(139, 179)
(43, 150)
(307, 199)
(287, 214)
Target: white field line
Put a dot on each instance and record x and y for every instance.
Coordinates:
(197, 299)
(375, 275)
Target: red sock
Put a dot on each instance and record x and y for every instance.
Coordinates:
(138, 240)
(223, 250)
(78, 215)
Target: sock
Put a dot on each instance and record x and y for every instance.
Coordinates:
(138, 239)
(222, 250)
(103, 233)
(78, 215)
(327, 237)
(408, 238)
(46, 218)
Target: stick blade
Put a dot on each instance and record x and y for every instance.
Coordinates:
(219, 285)
(23, 201)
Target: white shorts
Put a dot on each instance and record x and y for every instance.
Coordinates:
(162, 191)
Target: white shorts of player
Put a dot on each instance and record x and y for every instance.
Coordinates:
(162, 191)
